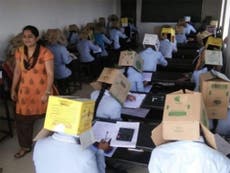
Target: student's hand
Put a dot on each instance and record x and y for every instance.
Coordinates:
(131, 97)
(104, 145)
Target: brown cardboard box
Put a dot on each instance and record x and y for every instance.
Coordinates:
(215, 91)
(131, 58)
(213, 57)
(120, 85)
(184, 118)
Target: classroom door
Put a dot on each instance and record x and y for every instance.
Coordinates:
(128, 9)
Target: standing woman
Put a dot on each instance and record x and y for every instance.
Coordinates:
(31, 87)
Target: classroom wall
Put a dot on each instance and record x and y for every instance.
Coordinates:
(49, 14)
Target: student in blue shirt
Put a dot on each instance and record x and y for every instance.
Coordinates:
(189, 29)
(56, 43)
(180, 32)
(85, 47)
(152, 57)
(132, 69)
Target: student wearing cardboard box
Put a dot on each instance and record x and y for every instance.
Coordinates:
(133, 65)
(68, 149)
(168, 43)
(112, 89)
(189, 28)
(180, 146)
(151, 54)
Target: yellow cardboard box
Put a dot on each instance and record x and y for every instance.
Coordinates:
(124, 21)
(215, 88)
(213, 57)
(69, 116)
(184, 118)
(214, 41)
(131, 58)
(170, 31)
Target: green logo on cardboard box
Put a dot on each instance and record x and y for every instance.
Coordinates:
(177, 99)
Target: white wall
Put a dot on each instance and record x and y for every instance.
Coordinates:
(44, 14)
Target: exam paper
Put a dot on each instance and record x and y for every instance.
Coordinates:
(135, 104)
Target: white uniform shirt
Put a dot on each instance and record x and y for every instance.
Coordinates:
(61, 154)
(108, 107)
(151, 59)
(187, 157)
(188, 29)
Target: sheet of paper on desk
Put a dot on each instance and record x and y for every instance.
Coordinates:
(147, 76)
(136, 112)
(126, 144)
(148, 88)
(136, 103)
(104, 130)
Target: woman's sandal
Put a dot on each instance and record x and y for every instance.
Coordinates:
(22, 152)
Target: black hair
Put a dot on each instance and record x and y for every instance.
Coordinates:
(31, 61)
(33, 30)
(126, 71)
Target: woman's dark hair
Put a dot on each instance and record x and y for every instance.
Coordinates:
(33, 30)
(29, 63)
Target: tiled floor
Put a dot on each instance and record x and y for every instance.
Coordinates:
(9, 147)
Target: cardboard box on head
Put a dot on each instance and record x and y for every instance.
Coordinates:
(203, 35)
(124, 21)
(187, 18)
(213, 57)
(131, 58)
(120, 85)
(70, 116)
(170, 31)
(151, 39)
(215, 88)
(214, 23)
(214, 41)
(184, 118)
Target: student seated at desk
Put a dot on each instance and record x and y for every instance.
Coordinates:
(180, 149)
(151, 54)
(180, 32)
(73, 35)
(56, 43)
(133, 65)
(63, 151)
(186, 157)
(110, 94)
(168, 43)
(189, 28)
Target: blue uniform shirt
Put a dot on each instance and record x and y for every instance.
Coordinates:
(115, 35)
(108, 107)
(136, 80)
(84, 48)
(61, 58)
(151, 59)
(100, 40)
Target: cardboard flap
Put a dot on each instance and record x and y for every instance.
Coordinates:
(96, 85)
(120, 88)
(42, 134)
(220, 75)
(131, 58)
(108, 75)
(209, 137)
(181, 130)
(203, 35)
(213, 57)
(157, 135)
(151, 39)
